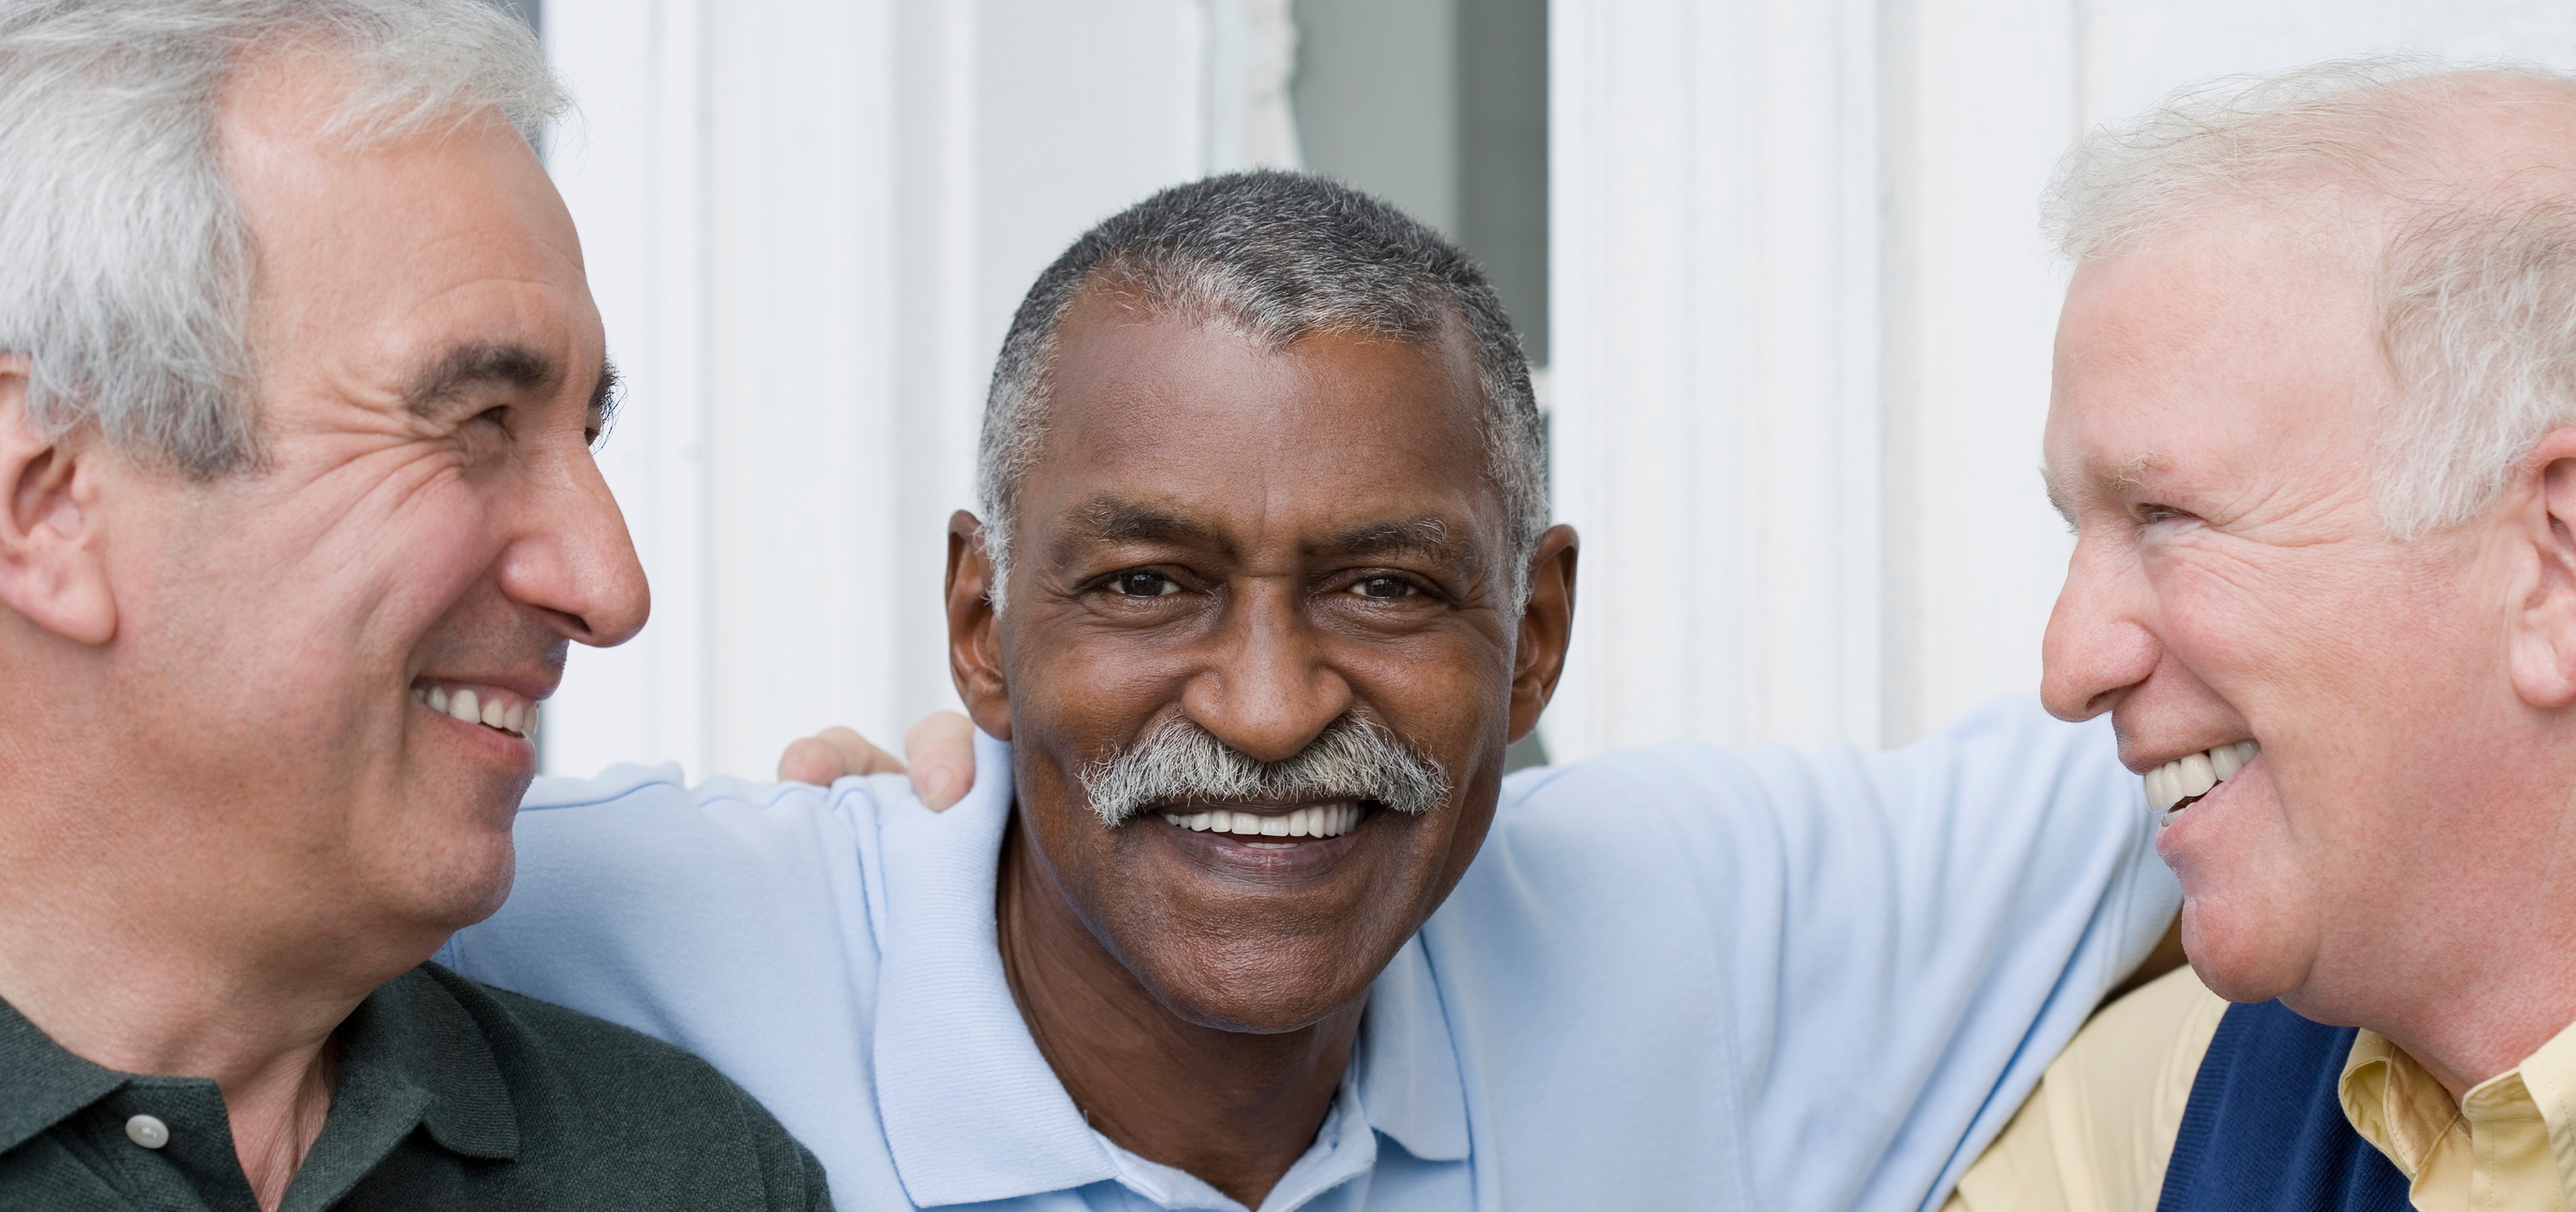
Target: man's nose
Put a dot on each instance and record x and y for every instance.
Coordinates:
(575, 559)
(2097, 646)
(1267, 687)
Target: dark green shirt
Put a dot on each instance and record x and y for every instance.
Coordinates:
(451, 1094)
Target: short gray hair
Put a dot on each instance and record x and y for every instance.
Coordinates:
(125, 266)
(2476, 287)
(1279, 256)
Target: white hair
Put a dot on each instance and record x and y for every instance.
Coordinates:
(125, 265)
(2476, 283)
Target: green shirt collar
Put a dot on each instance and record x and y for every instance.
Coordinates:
(45, 1083)
(409, 1055)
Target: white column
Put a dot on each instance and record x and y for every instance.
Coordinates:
(631, 166)
(1979, 103)
(1714, 184)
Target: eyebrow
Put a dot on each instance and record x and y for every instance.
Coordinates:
(2119, 477)
(468, 366)
(604, 399)
(1425, 536)
(1111, 520)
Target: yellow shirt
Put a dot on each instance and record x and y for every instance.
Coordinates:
(2096, 1134)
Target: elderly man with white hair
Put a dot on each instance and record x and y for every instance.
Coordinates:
(2315, 427)
(298, 379)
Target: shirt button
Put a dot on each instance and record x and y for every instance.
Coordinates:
(147, 1131)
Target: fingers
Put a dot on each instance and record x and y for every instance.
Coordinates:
(832, 754)
(941, 748)
(942, 751)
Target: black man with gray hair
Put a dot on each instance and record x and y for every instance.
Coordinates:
(1240, 911)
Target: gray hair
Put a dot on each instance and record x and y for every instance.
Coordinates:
(2476, 285)
(1180, 762)
(128, 267)
(1280, 256)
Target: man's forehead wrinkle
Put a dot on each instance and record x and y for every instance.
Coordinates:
(465, 366)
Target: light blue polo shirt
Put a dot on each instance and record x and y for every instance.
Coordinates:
(1673, 978)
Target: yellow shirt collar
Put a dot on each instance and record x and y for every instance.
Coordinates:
(2510, 1146)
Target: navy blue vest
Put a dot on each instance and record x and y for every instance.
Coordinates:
(2264, 1130)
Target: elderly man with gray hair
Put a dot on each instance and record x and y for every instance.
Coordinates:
(2315, 426)
(298, 380)
(1240, 911)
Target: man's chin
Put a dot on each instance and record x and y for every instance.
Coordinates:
(1242, 985)
(448, 873)
(2239, 956)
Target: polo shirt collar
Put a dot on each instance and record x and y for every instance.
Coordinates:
(1406, 1066)
(409, 1054)
(971, 1110)
(412, 1041)
(45, 1081)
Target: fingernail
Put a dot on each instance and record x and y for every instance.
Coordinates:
(938, 781)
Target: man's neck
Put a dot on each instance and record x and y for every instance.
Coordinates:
(1234, 1108)
(2479, 1028)
(149, 954)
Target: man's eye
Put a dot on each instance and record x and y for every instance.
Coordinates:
(1383, 587)
(2151, 513)
(1143, 584)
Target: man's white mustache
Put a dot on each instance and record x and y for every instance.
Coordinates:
(1182, 763)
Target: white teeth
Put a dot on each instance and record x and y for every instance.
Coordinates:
(2197, 775)
(2194, 774)
(492, 709)
(1314, 820)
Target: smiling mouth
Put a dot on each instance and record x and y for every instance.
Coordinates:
(491, 706)
(1311, 822)
(2182, 782)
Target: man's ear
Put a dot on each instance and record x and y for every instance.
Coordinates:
(975, 629)
(1547, 627)
(2543, 648)
(51, 569)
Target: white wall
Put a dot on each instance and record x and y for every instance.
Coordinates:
(1801, 322)
(807, 223)
(1802, 326)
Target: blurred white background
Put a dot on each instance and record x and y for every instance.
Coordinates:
(1778, 257)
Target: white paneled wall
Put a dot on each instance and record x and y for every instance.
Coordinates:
(1802, 330)
(1801, 322)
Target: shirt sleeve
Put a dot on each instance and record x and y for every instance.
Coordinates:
(1880, 952)
(1949, 914)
